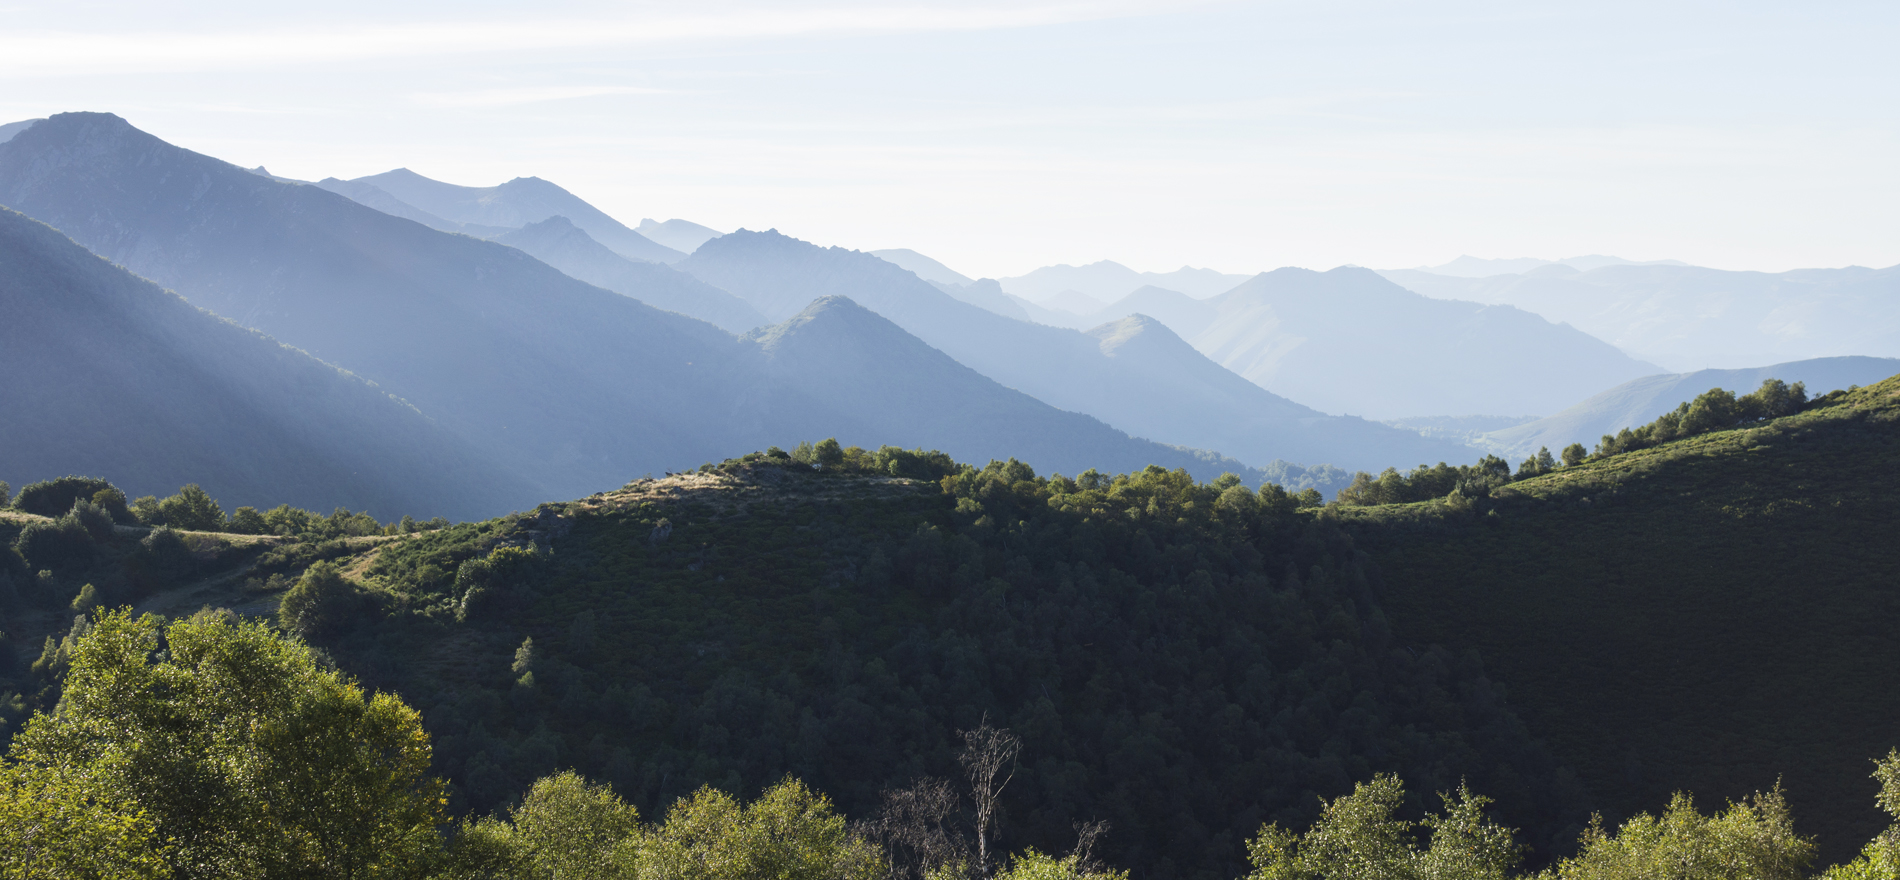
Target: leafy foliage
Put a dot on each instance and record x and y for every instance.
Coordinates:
(247, 756)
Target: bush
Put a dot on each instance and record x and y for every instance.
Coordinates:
(91, 517)
(55, 497)
(55, 545)
(321, 603)
(193, 510)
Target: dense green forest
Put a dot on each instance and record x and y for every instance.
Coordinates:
(1186, 662)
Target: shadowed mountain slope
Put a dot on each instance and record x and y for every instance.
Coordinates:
(1162, 391)
(1348, 340)
(559, 243)
(1690, 317)
(877, 385)
(514, 204)
(1711, 615)
(1640, 401)
(107, 374)
(578, 387)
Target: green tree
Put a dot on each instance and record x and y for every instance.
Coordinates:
(1751, 840)
(827, 452)
(1357, 836)
(1880, 860)
(247, 755)
(247, 521)
(55, 497)
(192, 510)
(61, 823)
(789, 833)
(570, 829)
(320, 604)
(113, 501)
(1574, 454)
(1032, 865)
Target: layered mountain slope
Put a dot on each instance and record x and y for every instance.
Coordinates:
(1348, 340)
(1690, 318)
(684, 236)
(925, 267)
(1711, 615)
(109, 375)
(373, 196)
(1108, 281)
(559, 243)
(1640, 401)
(577, 386)
(876, 385)
(1164, 392)
(514, 204)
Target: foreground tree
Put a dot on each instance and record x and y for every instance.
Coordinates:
(243, 752)
(58, 823)
(1751, 840)
(1881, 859)
(1358, 836)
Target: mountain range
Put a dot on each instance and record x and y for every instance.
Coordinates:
(1691, 318)
(1468, 266)
(575, 387)
(1347, 340)
(515, 204)
(559, 243)
(109, 374)
(1137, 375)
(1108, 281)
(1639, 401)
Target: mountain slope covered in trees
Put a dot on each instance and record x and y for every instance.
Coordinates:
(107, 373)
(1709, 614)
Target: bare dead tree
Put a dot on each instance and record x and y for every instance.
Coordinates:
(986, 750)
(1086, 835)
(918, 829)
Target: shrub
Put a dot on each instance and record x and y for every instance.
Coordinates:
(55, 497)
(55, 545)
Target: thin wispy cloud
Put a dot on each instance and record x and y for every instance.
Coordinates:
(531, 95)
(43, 53)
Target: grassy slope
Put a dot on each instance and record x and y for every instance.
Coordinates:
(1709, 615)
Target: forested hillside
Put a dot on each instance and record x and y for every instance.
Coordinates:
(1710, 614)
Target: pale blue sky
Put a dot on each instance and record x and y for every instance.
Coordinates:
(1001, 137)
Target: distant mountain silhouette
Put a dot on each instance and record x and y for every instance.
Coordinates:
(579, 388)
(986, 293)
(567, 247)
(678, 234)
(1689, 317)
(1138, 378)
(373, 196)
(1475, 267)
(109, 375)
(1639, 401)
(515, 204)
(1348, 340)
(10, 129)
(1108, 281)
(875, 384)
(926, 268)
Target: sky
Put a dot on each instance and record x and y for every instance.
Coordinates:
(998, 137)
